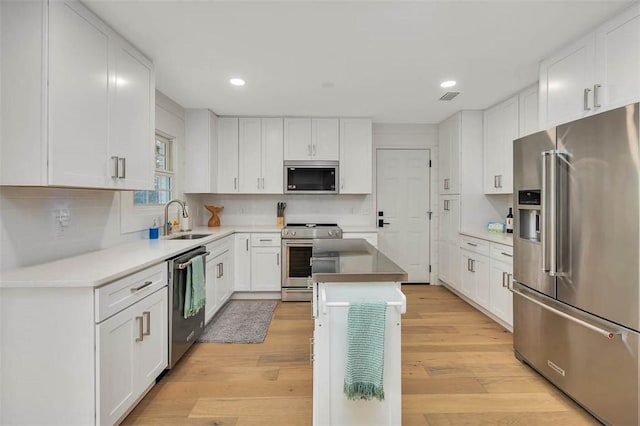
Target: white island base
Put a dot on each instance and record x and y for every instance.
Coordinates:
(330, 308)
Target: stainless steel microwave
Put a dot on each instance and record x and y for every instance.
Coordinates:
(311, 177)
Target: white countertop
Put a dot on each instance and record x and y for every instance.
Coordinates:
(504, 238)
(100, 267)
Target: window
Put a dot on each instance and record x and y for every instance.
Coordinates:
(163, 181)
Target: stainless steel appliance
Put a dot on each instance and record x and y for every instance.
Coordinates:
(311, 177)
(297, 242)
(576, 260)
(183, 332)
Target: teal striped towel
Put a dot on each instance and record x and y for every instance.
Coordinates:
(194, 293)
(365, 351)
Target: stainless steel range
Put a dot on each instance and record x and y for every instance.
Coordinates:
(297, 242)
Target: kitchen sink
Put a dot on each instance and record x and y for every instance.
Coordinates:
(188, 237)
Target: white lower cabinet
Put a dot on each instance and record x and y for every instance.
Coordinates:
(219, 275)
(258, 262)
(131, 351)
(501, 299)
(484, 271)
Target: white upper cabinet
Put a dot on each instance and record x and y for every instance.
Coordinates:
(227, 155)
(260, 154)
(501, 124)
(311, 139)
(93, 124)
(528, 111)
(356, 156)
(201, 151)
(449, 134)
(596, 73)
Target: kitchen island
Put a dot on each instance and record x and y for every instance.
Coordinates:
(344, 273)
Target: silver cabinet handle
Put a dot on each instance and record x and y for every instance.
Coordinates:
(499, 181)
(309, 149)
(596, 95)
(446, 183)
(495, 181)
(473, 265)
(504, 277)
(263, 184)
(278, 259)
(258, 183)
(222, 269)
(116, 164)
(586, 99)
(219, 270)
(123, 169)
(147, 315)
(140, 329)
(247, 243)
(235, 183)
(472, 244)
(606, 333)
(143, 286)
(469, 264)
(506, 254)
(265, 240)
(509, 278)
(314, 149)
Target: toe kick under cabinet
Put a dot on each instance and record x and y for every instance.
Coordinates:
(81, 355)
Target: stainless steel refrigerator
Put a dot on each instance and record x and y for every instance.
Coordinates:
(576, 260)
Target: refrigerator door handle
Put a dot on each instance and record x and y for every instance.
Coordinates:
(548, 237)
(606, 333)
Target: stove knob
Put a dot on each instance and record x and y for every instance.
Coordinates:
(293, 233)
(286, 232)
(330, 233)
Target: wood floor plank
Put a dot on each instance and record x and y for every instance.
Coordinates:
(458, 368)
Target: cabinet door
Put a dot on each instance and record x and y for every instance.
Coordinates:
(201, 151)
(78, 98)
(227, 155)
(455, 136)
(444, 166)
(152, 356)
(528, 111)
(618, 60)
(444, 263)
(249, 154)
(455, 273)
(356, 157)
(493, 146)
(564, 77)
(211, 274)
(265, 269)
(325, 137)
(511, 125)
(467, 279)
(132, 121)
(501, 300)
(454, 219)
(272, 153)
(117, 344)
(223, 288)
(481, 278)
(242, 262)
(297, 139)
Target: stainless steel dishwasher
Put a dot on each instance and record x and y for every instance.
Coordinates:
(183, 332)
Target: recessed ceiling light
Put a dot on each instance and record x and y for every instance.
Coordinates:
(237, 81)
(447, 84)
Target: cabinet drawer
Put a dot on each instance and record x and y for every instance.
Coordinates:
(112, 298)
(265, 240)
(502, 252)
(218, 247)
(475, 245)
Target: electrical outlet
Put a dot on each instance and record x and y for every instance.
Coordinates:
(61, 219)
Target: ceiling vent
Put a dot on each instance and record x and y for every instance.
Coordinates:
(448, 96)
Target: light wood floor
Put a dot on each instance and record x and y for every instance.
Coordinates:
(458, 368)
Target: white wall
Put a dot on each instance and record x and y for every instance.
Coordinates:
(29, 232)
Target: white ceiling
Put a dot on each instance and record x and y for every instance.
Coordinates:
(381, 59)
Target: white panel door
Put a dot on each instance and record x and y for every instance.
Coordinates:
(618, 60)
(132, 130)
(116, 351)
(78, 99)
(325, 139)
(152, 356)
(564, 78)
(272, 155)
(227, 155)
(297, 139)
(249, 155)
(403, 198)
(265, 269)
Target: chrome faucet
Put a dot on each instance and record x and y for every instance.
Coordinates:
(166, 213)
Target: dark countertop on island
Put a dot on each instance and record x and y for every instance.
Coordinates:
(352, 260)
